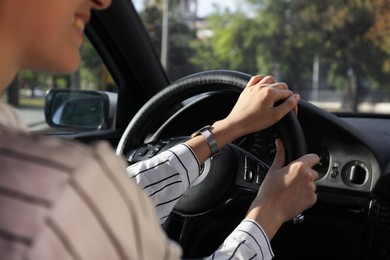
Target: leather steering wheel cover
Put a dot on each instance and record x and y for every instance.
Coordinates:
(234, 81)
(135, 134)
(190, 86)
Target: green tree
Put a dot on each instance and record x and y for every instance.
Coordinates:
(91, 70)
(231, 45)
(179, 33)
(180, 53)
(379, 32)
(284, 36)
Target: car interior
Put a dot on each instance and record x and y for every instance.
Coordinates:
(149, 112)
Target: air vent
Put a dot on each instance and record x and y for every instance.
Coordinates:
(381, 237)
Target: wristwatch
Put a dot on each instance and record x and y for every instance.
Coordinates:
(206, 132)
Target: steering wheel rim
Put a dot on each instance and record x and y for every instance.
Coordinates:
(198, 83)
(196, 205)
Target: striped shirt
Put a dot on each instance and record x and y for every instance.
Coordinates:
(63, 200)
(166, 176)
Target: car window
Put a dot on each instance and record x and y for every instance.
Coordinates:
(335, 54)
(26, 93)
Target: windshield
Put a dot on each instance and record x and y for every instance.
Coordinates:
(334, 53)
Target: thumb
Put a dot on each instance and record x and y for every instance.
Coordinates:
(280, 155)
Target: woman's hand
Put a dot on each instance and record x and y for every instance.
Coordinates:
(255, 109)
(285, 192)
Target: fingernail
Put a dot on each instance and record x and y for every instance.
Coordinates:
(297, 97)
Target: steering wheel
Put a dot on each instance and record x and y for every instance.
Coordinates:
(218, 201)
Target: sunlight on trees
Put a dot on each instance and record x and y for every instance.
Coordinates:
(350, 41)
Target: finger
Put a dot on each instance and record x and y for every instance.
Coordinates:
(310, 160)
(282, 94)
(254, 80)
(312, 175)
(313, 187)
(313, 197)
(295, 103)
(315, 175)
(295, 110)
(290, 102)
(267, 80)
(276, 85)
(280, 155)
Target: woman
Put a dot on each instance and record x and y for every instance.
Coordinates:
(61, 199)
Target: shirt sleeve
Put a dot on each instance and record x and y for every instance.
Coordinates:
(166, 177)
(247, 241)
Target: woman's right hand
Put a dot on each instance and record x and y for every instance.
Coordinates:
(285, 192)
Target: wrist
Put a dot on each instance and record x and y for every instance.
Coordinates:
(267, 218)
(207, 134)
(225, 132)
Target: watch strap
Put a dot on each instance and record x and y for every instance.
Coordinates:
(209, 137)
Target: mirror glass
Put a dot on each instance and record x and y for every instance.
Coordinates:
(77, 109)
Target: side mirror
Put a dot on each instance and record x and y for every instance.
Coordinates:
(80, 109)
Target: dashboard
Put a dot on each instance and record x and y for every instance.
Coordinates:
(345, 162)
(353, 190)
(261, 145)
(354, 150)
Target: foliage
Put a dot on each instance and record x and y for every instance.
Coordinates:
(233, 41)
(152, 17)
(379, 32)
(282, 37)
(179, 34)
(92, 69)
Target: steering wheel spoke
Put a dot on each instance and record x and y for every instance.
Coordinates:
(251, 170)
